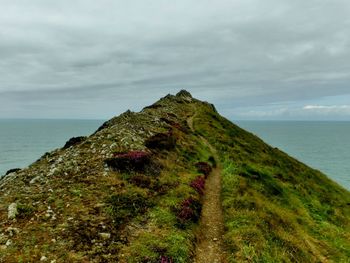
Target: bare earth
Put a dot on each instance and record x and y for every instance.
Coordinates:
(209, 248)
(210, 245)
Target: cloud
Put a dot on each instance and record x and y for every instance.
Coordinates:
(111, 54)
(341, 110)
(292, 111)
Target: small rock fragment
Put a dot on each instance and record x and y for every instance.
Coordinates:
(12, 211)
(8, 243)
(35, 179)
(12, 231)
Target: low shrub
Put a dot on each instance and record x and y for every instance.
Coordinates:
(25, 211)
(212, 160)
(130, 161)
(161, 141)
(141, 180)
(12, 171)
(74, 141)
(198, 184)
(189, 211)
(204, 168)
(164, 259)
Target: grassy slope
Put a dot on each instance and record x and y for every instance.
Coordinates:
(276, 209)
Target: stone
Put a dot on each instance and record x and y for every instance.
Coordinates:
(43, 258)
(8, 243)
(35, 179)
(12, 231)
(184, 93)
(12, 211)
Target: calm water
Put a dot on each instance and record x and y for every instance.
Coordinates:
(322, 145)
(24, 141)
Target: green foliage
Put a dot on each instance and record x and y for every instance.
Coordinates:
(24, 210)
(275, 208)
(124, 206)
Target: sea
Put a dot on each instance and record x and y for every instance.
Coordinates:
(24, 141)
(322, 145)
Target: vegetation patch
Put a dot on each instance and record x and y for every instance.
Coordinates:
(124, 206)
(161, 141)
(129, 161)
(24, 210)
(204, 168)
(165, 259)
(198, 184)
(188, 211)
(74, 141)
(12, 171)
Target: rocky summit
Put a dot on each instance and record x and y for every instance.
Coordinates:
(175, 182)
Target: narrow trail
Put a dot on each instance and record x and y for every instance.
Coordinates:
(209, 247)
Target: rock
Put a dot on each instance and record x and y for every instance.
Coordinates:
(12, 211)
(215, 239)
(8, 243)
(12, 231)
(43, 258)
(36, 179)
(105, 236)
(184, 93)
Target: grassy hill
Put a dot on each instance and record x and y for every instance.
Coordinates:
(134, 191)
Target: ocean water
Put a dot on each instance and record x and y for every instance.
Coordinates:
(24, 141)
(322, 145)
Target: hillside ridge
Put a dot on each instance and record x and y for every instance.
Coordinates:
(137, 190)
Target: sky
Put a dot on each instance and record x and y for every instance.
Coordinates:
(255, 60)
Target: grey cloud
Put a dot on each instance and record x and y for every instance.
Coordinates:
(237, 54)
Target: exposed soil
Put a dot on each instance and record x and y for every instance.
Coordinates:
(209, 247)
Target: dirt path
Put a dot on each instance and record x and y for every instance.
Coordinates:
(209, 248)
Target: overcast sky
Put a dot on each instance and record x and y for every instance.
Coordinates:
(254, 59)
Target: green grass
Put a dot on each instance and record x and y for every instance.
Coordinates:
(276, 209)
